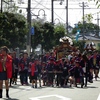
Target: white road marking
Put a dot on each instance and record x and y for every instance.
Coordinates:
(98, 97)
(58, 96)
(29, 88)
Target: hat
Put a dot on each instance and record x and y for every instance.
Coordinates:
(57, 61)
(51, 59)
(43, 63)
(36, 59)
(77, 60)
(5, 48)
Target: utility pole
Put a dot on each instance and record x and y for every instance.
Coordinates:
(83, 19)
(1, 5)
(52, 11)
(98, 21)
(67, 16)
(83, 6)
(29, 27)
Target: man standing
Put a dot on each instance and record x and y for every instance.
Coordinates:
(23, 68)
(5, 69)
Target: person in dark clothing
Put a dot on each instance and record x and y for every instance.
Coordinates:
(50, 72)
(85, 64)
(44, 74)
(15, 63)
(94, 60)
(58, 72)
(65, 74)
(78, 73)
(23, 68)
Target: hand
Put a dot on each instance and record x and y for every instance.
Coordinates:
(2, 60)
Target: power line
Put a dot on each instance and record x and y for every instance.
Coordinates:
(57, 8)
(49, 9)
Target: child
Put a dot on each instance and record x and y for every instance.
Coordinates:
(33, 75)
(78, 73)
(44, 74)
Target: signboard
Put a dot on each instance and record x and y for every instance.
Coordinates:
(32, 30)
(60, 54)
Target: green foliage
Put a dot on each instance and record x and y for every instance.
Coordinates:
(12, 30)
(79, 44)
(47, 35)
(97, 2)
(59, 32)
(37, 37)
(44, 35)
(88, 27)
(88, 18)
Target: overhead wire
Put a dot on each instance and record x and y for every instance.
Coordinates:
(37, 4)
(49, 9)
(43, 3)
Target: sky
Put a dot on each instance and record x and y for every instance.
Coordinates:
(75, 11)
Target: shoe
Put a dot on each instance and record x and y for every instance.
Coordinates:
(75, 85)
(70, 85)
(81, 86)
(32, 86)
(35, 86)
(15, 83)
(91, 81)
(0, 93)
(7, 93)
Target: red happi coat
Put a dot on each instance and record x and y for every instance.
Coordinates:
(8, 65)
(32, 69)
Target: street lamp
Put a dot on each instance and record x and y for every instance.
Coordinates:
(57, 19)
(43, 11)
(39, 13)
(52, 9)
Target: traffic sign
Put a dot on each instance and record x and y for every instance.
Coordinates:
(32, 30)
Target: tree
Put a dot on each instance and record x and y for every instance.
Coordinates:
(88, 27)
(12, 29)
(37, 37)
(47, 35)
(59, 31)
(79, 44)
(88, 18)
(10, 6)
(97, 2)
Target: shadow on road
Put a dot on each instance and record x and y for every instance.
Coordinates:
(10, 99)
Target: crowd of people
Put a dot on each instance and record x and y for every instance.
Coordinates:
(73, 69)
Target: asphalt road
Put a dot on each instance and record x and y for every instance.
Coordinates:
(19, 92)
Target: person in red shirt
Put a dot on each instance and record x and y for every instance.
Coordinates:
(34, 73)
(5, 69)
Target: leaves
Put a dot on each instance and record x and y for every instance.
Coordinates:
(12, 29)
(96, 2)
(47, 35)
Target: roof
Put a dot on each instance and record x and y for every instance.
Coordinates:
(89, 38)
